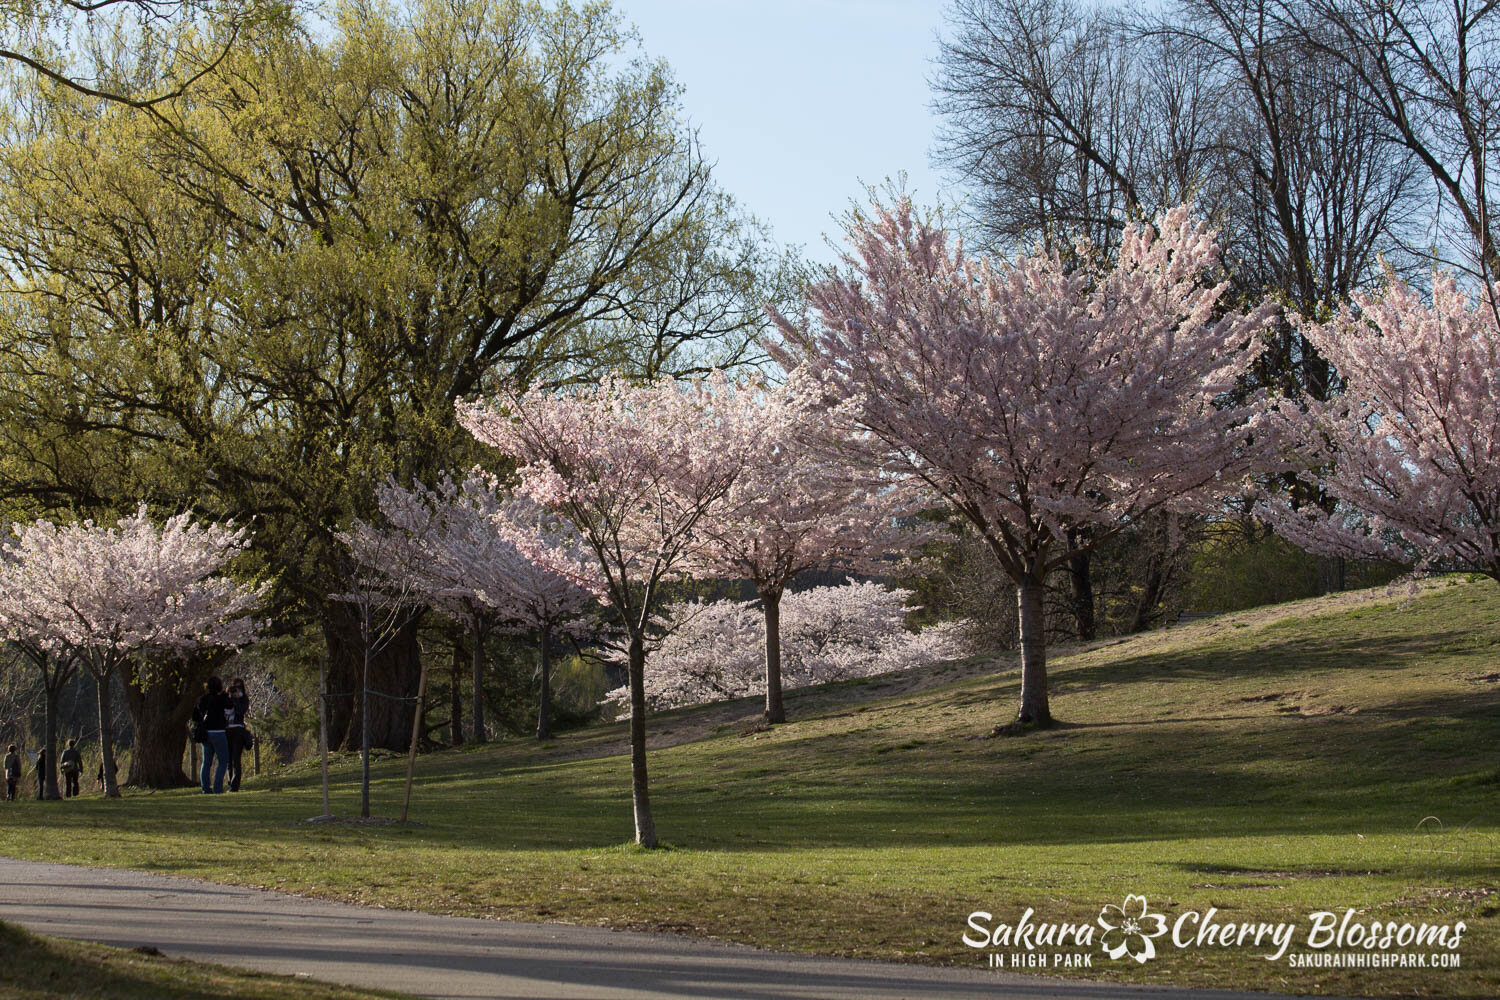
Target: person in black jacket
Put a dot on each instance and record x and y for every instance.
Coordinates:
(239, 736)
(212, 713)
(72, 767)
(12, 772)
(41, 773)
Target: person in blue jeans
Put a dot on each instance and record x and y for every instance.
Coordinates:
(211, 712)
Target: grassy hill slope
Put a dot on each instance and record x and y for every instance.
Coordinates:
(1330, 754)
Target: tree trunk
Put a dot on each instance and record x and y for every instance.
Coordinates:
(1034, 709)
(160, 710)
(476, 700)
(49, 740)
(394, 670)
(544, 708)
(364, 737)
(645, 826)
(770, 602)
(456, 695)
(106, 734)
(1151, 596)
(1083, 596)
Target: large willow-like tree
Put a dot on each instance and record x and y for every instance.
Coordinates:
(266, 295)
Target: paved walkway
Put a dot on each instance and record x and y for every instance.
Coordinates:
(459, 957)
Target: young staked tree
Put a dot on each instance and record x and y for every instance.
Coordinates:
(799, 506)
(106, 593)
(454, 543)
(635, 469)
(1410, 451)
(1036, 398)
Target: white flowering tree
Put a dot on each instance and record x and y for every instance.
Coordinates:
(103, 593)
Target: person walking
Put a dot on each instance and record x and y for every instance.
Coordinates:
(72, 768)
(41, 773)
(238, 735)
(210, 715)
(12, 772)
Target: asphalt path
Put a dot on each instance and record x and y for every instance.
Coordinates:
(465, 958)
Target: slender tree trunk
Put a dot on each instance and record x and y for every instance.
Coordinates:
(1082, 581)
(645, 826)
(544, 709)
(770, 602)
(456, 696)
(476, 700)
(364, 739)
(1034, 709)
(49, 740)
(106, 735)
(323, 728)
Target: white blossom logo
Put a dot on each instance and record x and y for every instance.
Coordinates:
(1128, 929)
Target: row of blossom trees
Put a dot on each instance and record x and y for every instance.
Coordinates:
(708, 651)
(1049, 401)
(95, 595)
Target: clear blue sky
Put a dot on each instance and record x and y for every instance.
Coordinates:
(802, 102)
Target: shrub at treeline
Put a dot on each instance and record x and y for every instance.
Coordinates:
(472, 234)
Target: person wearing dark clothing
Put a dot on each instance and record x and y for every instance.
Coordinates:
(12, 772)
(71, 762)
(237, 734)
(211, 715)
(115, 769)
(41, 773)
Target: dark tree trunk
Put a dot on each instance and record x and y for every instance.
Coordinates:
(645, 826)
(160, 710)
(394, 671)
(1034, 708)
(1082, 581)
(456, 695)
(106, 734)
(544, 708)
(1151, 595)
(770, 602)
(476, 700)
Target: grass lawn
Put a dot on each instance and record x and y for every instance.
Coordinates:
(33, 967)
(1331, 754)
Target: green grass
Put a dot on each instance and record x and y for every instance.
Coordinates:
(33, 967)
(1329, 754)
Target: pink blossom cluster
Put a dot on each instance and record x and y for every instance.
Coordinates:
(712, 651)
(634, 468)
(1410, 450)
(105, 591)
(467, 547)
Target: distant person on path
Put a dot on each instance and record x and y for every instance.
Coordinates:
(72, 769)
(238, 735)
(12, 772)
(212, 713)
(41, 773)
(101, 773)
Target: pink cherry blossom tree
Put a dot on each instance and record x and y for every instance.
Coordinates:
(799, 505)
(105, 593)
(1410, 451)
(456, 544)
(1035, 397)
(634, 469)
